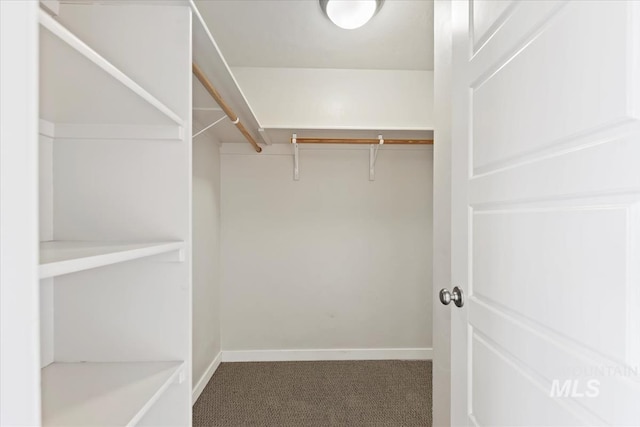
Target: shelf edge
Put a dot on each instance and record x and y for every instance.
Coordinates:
(156, 396)
(59, 268)
(175, 375)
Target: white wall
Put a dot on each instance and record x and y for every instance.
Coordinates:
(299, 98)
(206, 256)
(333, 261)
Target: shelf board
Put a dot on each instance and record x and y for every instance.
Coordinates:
(63, 257)
(103, 394)
(79, 86)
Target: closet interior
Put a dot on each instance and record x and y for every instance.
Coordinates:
(137, 109)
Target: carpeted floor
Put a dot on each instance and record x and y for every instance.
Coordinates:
(309, 394)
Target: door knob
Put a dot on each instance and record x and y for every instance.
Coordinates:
(457, 296)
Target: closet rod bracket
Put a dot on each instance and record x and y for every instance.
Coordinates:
(209, 126)
(296, 158)
(373, 156)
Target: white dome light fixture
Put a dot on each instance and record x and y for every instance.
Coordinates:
(350, 14)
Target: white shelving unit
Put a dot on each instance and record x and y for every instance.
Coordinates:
(64, 51)
(82, 93)
(115, 214)
(111, 394)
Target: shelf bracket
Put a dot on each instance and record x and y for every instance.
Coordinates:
(373, 156)
(296, 158)
(210, 126)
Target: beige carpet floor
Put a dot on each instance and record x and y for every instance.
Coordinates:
(310, 394)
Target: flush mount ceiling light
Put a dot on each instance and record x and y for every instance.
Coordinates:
(350, 14)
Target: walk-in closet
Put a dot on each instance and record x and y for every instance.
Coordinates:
(192, 212)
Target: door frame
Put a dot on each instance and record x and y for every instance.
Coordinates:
(441, 323)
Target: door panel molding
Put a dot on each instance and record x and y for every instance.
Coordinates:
(480, 38)
(528, 384)
(590, 93)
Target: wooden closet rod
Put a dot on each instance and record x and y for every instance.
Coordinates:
(225, 107)
(363, 141)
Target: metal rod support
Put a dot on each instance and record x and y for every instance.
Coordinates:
(296, 159)
(210, 126)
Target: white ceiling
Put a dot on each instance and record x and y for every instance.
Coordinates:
(295, 33)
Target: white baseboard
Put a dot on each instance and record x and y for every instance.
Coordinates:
(329, 354)
(206, 377)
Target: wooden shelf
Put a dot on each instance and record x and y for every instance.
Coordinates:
(103, 394)
(63, 257)
(80, 87)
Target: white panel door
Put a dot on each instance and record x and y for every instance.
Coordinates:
(546, 213)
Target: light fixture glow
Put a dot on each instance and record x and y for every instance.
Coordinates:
(350, 14)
